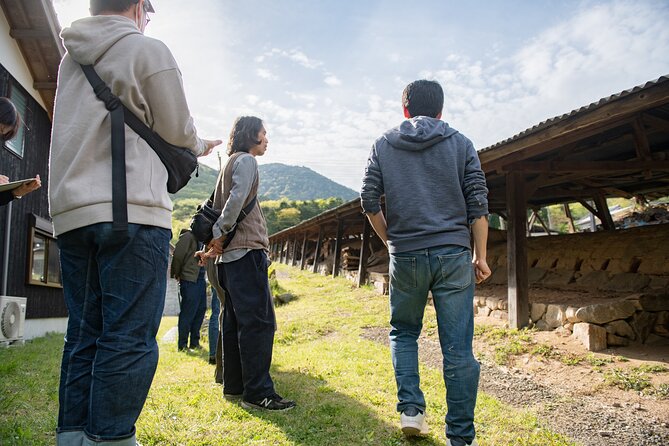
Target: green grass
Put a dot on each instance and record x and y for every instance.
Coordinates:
(343, 384)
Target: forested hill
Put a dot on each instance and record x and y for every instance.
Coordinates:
(277, 181)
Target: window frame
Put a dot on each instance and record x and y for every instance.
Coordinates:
(13, 145)
(43, 229)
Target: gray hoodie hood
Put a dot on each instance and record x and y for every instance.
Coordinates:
(419, 133)
(89, 38)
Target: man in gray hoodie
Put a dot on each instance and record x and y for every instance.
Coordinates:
(113, 281)
(436, 202)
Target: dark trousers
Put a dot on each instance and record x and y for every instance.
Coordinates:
(193, 307)
(248, 326)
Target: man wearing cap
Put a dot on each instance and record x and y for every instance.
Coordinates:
(114, 281)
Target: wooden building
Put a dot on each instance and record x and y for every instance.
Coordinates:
(616, 147)
(30, 52)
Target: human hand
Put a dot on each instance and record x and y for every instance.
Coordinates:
(214, 248)
(209, 145)
(481, 270)
(28, 187)
(4, 179)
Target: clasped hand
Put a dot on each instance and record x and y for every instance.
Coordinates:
(213, 249)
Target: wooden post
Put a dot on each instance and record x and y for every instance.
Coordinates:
(337, 248)
(317, 253)
(293, 255)
(517, 251)
(567, 212)
(304, 250)
(284, 251)
(364, 253)
(604, 213)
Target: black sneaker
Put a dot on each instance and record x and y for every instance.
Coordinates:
(272, 402)
(232, 396)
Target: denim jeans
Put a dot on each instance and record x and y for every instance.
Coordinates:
(114, 287)
(191, 311)
(248, 326)
(447, 271)
(213, 322)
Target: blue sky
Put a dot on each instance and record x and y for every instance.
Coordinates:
(327, 76)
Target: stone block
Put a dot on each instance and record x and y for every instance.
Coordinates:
(603, 313)
(658, 283)
(555, 316)
(498, 277)
(592, 336)
(503, 304)
(570, 314)
(501, 315)
(620, 328)
(541, 325)
(559, 278)
(654, 302)
(643, 323)
(616, 341)
(535, 275)
(631, 282)
(492, 303)
(593, 280)
(537, 310)
(484, 311)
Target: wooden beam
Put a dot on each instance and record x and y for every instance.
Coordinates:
(364, 253)
(303, 259)
(641, 140)
(604, 213)
(570, 219)
(518, 296)
(293, 259)
(589, 166)
(591, 209)
(337, 248)
(32, 33)
(44, 85)
(317, 252)
(656, 123)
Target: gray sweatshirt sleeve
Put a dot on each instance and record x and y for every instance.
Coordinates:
(372, 184)
(244, 172)
(474, 186)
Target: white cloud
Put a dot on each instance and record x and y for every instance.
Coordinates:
(266, 74)
(332, 80)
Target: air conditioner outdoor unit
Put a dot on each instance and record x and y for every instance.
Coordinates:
(12, 318)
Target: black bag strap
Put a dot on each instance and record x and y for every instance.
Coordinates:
(242, 215)
(119, 114)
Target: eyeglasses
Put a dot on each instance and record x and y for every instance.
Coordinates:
(145, 7)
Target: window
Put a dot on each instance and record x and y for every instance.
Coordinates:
(44, 265)
(20, 100)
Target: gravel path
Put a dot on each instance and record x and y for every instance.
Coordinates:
(591, 420)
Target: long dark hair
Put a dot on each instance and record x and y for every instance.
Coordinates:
(10, 117)
(244, 134)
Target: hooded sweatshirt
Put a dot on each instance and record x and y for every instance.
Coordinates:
(142, 72)
(433, 183)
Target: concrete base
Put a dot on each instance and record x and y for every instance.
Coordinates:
(35, 328)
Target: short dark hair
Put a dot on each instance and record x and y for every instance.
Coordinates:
(244, 134)
(10, 117)
(98, 6)
(423, 98)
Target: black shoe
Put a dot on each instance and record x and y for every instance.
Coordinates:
(232, 396)
(182, 349)
(195, 347)
(272, 402)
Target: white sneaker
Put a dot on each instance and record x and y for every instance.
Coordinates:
(413, 422)
(473, 443)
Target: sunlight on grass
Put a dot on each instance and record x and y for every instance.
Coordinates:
(343, 384)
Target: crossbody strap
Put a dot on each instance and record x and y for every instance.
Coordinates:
(242, 215)
(118, 115)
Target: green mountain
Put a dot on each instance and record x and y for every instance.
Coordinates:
(277, 181)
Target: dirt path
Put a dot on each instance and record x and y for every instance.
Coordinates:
(571, 400)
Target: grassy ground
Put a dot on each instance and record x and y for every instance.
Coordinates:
(343, 385)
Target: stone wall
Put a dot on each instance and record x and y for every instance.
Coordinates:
(630, 260)
(637, 318)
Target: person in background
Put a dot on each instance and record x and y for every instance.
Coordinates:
(436, 202)
(192, 289)
(249, 322)
(213, 325)
(114, 281)
(10, 122)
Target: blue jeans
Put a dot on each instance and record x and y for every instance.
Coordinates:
(248, 326)
(192, 309)
(114, 287)
(213, 322)
(446, 271)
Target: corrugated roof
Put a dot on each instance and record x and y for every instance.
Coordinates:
(586, 108)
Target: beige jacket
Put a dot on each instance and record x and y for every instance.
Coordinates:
(143, 73)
